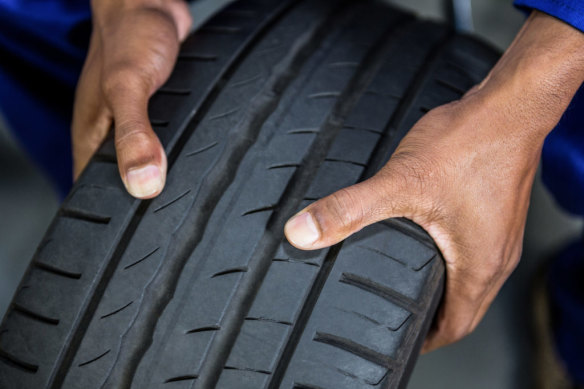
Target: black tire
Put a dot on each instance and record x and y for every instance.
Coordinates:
(271, 105)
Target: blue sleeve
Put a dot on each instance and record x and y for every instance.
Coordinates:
(569, 11)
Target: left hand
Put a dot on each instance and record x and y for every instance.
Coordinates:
(133, 48)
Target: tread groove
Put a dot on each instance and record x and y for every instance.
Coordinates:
(172, 201)
(405, 227)
(267, 208)
(203, 329)
(354, 89)
(142, 259)
(57, 271)
(372, 130)
(73, 343)
(223, 114)
(284, 166)
(304, 131)
(345, 161)
(290, 260)
(303, 317)
(174, 91)
(180, 378)
(94, 359)
(287, 323)
(248, 369)
(34, 315)
(202, 149)
(136, 340)
(297, 185)
(159, 123)
(117, 310)
(324, 95)
(356, 349)
(88, 216)
(385, 255)
(241, 269)
(305, 386)
(18, 363)
(451, 86)
(246, 81)
(381, 291)
(199, 57)
(394, 329)
(360, 315)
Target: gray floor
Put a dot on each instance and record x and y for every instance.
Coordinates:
(496, 355)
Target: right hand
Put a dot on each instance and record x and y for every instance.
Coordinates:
(464, 173)
(132, 52)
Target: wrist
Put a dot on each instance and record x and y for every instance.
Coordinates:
(537, 77)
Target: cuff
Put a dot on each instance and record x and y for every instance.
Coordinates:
(569, 11)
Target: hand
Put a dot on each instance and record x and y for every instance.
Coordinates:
(133, 49)
(464, 173)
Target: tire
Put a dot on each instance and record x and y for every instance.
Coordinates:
(272, 104)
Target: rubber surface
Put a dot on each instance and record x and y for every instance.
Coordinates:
(272, 104)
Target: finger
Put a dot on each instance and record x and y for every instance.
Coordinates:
(91, 121)
(182, 17)
(335, 217)
(141, 158)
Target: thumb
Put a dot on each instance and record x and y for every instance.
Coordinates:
(141, 158)
(335, 217)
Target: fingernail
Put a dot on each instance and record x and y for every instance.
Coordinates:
(301, 230)
(144, 181)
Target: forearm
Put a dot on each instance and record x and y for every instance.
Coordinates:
(538, 75)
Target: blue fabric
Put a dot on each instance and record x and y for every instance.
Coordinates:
(566, 292)
(43, 44)
(569, 11)
(563, 157)
(563, 153)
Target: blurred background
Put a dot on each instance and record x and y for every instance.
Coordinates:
(497, 355)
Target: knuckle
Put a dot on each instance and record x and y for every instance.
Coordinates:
(459, 332)
(131, 131)
(123, 76)
(345, 209)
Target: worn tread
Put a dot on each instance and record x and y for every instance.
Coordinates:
(271, 105)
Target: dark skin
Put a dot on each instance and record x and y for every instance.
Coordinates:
(464, 172)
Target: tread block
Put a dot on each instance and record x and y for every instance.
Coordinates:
(390, 274)
(373, 111)
(31, 341)
(242, 379)
(282, 292)
(353, 145)
(97, 200)
(314, 365)
(331, 177)
(348, 325)
(249, 354)
(391, 244)
(48, 293)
